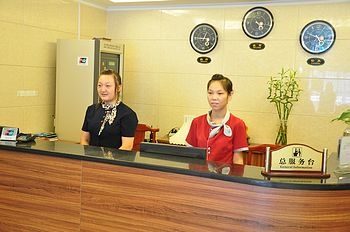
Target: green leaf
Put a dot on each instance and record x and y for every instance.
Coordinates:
(345, 117)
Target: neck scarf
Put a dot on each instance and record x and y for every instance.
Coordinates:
(110, 114)
(215, 128)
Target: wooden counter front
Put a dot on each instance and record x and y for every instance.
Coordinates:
(127, 199)
(45, 193)
(39, 193)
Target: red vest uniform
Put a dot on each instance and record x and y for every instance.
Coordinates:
(220, 147)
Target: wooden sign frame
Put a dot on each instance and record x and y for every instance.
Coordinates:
(296, 160)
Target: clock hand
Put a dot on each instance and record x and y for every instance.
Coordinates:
(207, 42)
(260, 25)
(205, 35)
(320, 39)
(314, 36)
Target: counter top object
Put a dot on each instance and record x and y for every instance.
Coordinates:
(296, 160)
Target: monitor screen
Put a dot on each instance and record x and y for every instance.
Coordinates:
(176, 150)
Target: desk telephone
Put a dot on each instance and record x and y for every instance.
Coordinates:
(25, 137)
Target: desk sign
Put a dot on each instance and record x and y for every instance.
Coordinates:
(296, 160)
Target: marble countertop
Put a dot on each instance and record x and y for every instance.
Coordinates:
(182, 165)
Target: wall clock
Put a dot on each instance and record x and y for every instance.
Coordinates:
(257, 22)
(317, 37)
(203, 38)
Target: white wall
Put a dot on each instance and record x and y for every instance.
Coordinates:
(163, 81)
(28, 35)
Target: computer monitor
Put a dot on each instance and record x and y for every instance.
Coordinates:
(176, 150)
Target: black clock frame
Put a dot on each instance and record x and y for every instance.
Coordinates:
(307, 27)
(245, 19)
(192, 41)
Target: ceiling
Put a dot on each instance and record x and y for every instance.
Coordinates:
(108, 5)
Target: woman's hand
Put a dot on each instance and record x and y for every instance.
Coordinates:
(238, 157)
(127, 143)
(85, 138)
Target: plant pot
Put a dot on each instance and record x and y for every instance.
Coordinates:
(281, 137)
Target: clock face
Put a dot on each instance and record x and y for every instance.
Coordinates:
(317, 37)
(203, 38)
(257, 22)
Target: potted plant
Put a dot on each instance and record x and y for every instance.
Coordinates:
(345, 117)
(284, 90)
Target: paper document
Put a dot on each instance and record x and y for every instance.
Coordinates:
(344, 151)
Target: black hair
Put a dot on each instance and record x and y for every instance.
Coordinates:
(226, 83)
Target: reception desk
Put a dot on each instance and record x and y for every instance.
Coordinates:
(57, 186)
